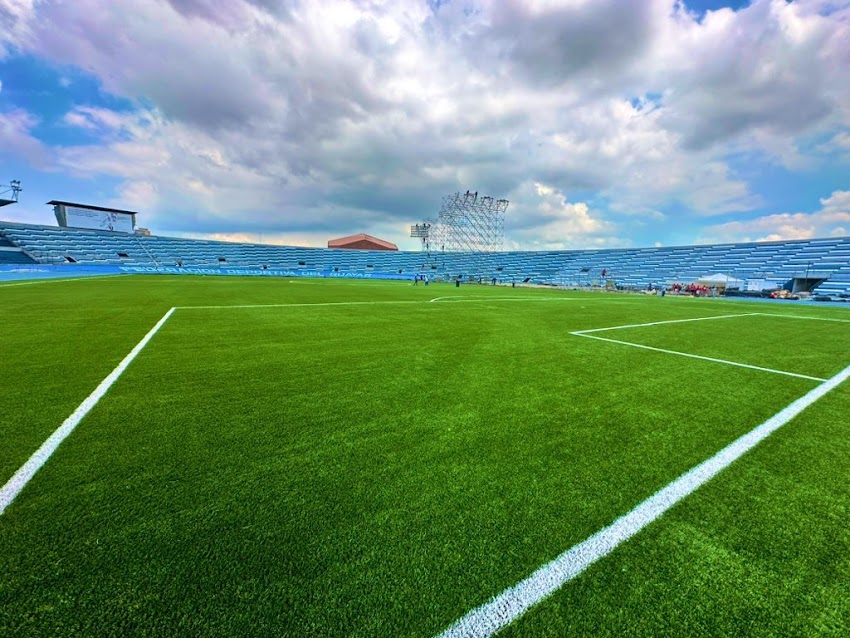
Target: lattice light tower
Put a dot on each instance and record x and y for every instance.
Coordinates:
(469, 223)
(466, 223)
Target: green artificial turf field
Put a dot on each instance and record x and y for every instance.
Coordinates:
(369, 462)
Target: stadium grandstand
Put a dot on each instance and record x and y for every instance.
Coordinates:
(818, 265)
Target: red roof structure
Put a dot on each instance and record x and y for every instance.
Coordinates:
(361, 241)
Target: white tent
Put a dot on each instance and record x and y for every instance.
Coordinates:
(719, 279)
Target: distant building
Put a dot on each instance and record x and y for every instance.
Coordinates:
(361, 242)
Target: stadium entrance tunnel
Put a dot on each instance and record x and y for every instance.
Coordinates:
(806, 284)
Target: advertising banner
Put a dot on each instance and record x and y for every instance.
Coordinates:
(98, 220)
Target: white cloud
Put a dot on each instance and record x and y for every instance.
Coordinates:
(137, 195)
(551, 222)
(17, 141)
(831, 221)
(341, 116)
(838, 201)
(770, 70)
(99, 119)
(842, 140)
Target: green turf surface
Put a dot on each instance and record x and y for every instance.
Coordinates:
(381, 469)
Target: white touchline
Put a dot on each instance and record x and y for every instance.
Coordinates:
(660, 323)
(48, 280)
(506, 607)
(19, 480)
(697, 356)
(460, 298)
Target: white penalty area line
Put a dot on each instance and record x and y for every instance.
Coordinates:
(697, 356)
(49, 280)
(660, 323)
(784, 316)
(506, 607)
(588, 335)
(460, 298)
(15, 484)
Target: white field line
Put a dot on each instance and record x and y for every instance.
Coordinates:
(506, 607)
(15, 484)
(302, 305)
(776, 314)
(48, 280)
(460, 298)
(697, 356)
(371, 303)
(660, 323)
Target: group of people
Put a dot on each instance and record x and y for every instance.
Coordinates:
(424, 279)
(695, 290)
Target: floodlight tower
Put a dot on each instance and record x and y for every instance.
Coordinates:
(466, 224)
(9, 194)
(423, 232)
(469, 223)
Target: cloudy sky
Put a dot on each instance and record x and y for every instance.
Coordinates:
(607, 123)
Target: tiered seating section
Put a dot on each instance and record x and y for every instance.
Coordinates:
(12, 254)
(828, 259)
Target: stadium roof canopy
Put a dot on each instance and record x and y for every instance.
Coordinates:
(361, 241)
(56, 202)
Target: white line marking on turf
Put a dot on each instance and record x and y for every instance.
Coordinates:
(372, 303)
(776, 314)
(15, 484)
(301, 305)
(463, 298)
(696, 356)
(503, 609)
(659, 323)
(48, 280)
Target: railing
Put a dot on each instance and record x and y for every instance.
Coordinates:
(145, 248)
